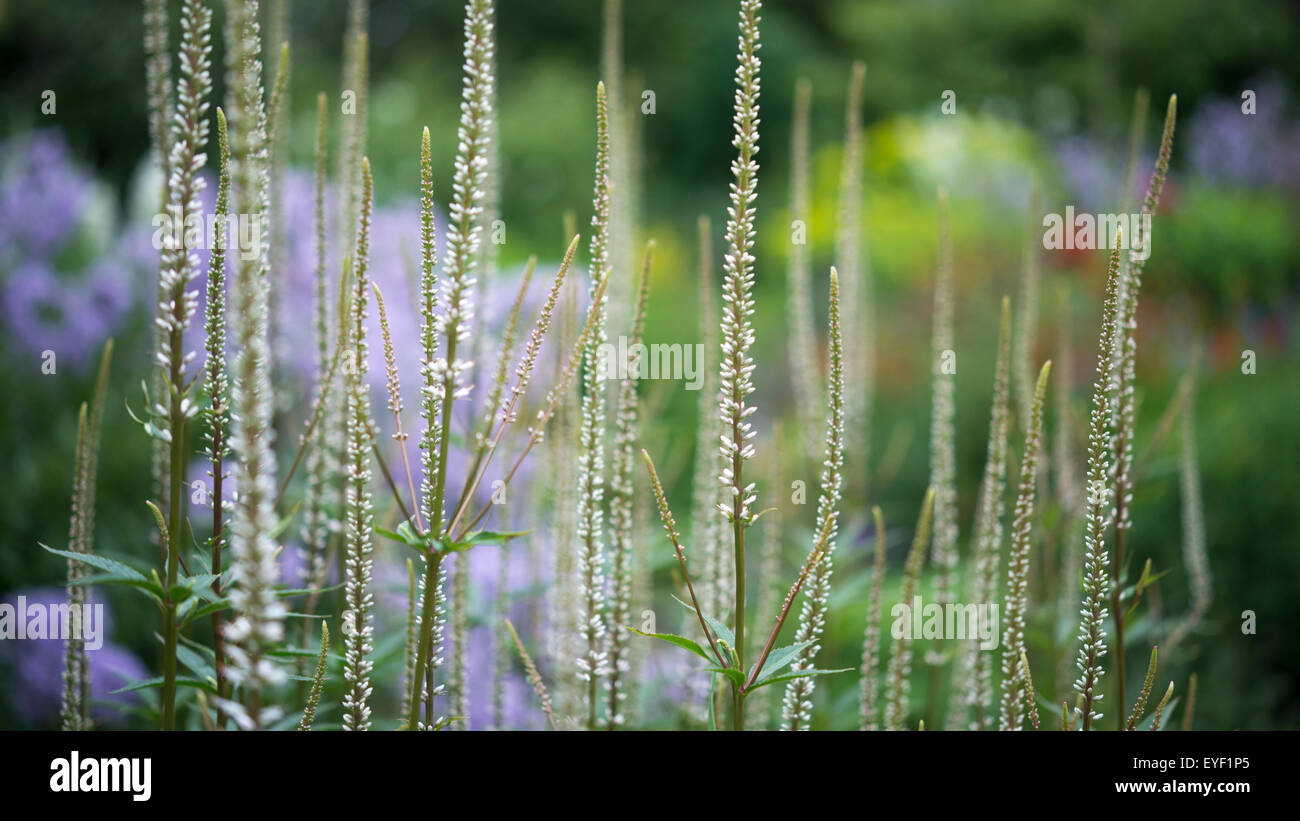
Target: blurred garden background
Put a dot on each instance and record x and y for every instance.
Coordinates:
(1044, 92)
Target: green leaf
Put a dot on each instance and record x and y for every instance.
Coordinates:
(195, 663)
(494, 536)
(157, 681)
(149, 427)
(116, 572)
(141, 584)
(680, 641)
(480, 537)
(735, 676)
(206, 610)
(795, 675)
(719, 629)
(287, 592)
(779, 658)
(399, 536)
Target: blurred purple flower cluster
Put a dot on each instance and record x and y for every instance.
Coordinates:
(1228, 145)
(65, 279)
(34, 679)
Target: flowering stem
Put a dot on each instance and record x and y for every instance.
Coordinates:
(737, 330)
(425, 646)
(738, 531)
(170, 629)
(817, 554)
(670, 525)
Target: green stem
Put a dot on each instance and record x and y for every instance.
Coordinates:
(738, 530)
(1116, 607)
(218, 641)
(170, 628)
(425, 646)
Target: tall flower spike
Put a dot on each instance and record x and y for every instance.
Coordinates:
(75, 712)
(973, 675)
(1160, 708)
(805, 367)
(1194, 556)
(796, 709)
(528, 359)
(867, 708)
(943, 447)
(258, 624)
(395, 396)
(157, 69)
(465, 228)
(352, 124)
(1141, 104)
(1096, 559)
(316, 518)
(73, 708)
(217, 387)
(622, 293)
(900, 651)
(489, 252)
(161, 108)
(189, 135)
(429, 398)
(854, 274)
(318, 680)
(1068, 488)
(1027, 315)
(705, 525)
(562, 635)
(621, 507)
(358, 514)
(464, 237)
(534, 677)
(1125, 354)
(1016, 688)
(434, 575)
(1140, 706)
(593, 661)
(736, 369)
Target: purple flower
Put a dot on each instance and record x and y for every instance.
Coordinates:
(34, 671)
(44, 198)
(1092, 175)
(1225, 144)
(42, 193)
(44, 313)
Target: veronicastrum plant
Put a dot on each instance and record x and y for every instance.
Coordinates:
(230, 579)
